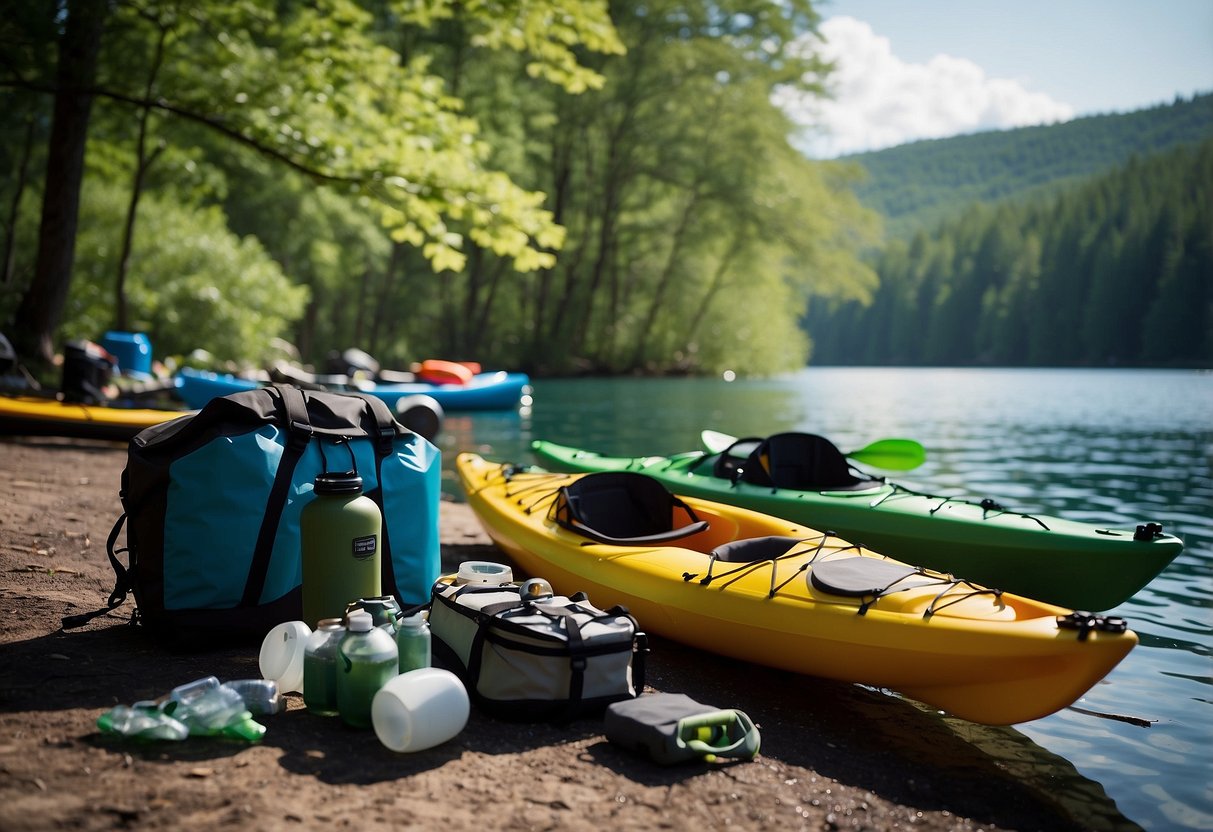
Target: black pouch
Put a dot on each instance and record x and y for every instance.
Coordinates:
(674, 728)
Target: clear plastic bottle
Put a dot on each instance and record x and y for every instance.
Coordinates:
(413, 642)
(142, 720)
(187, 693)
(202, 708)
(216, 711)
(320, 667)
(261, 696)
(367, 659)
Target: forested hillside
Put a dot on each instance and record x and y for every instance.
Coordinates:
(916, 186)
(1117, 271)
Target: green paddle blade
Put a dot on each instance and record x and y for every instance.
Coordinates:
(888, 454)
(891, 454)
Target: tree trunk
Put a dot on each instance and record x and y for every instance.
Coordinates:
(667, 275)
(10, 231)
(385, 293)
(41, 307)
(714, 288)
(142, 163)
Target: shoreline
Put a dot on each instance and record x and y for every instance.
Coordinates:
(833, 755)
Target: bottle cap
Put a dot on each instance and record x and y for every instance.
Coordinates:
(361, 622)
(330, 624)
(337, 482)
(412, 622)
(483, 572)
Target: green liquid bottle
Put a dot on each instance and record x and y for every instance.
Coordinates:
(413, 642)
(340, 531)
(366, 659)
(320, 667)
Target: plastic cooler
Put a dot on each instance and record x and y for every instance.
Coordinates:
(132, 349)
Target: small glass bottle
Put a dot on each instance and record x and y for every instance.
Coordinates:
(320, 667)
(367, 658)
(413, 642)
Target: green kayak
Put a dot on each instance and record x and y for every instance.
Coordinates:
(804, 478)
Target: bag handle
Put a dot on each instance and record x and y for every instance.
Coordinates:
(298, 435)
(122, 580)
(385, 423)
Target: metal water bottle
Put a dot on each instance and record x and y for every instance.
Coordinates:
(340, 531)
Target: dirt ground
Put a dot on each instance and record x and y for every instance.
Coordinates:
(834, 756)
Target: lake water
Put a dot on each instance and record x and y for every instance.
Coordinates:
(1116, 447)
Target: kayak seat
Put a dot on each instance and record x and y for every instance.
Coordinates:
(862, 577)
(801, 462)
(754, 549)
(622, 508)
(730, 461)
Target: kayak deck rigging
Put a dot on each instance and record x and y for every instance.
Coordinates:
(542, 490)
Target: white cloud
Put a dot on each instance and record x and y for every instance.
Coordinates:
(880, 100)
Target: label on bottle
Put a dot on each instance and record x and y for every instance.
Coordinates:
(364, 547)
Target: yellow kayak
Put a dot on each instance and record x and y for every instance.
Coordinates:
(747, 585)
(33, 416)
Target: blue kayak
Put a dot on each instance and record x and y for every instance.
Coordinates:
(497, 390)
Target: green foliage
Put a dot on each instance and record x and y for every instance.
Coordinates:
(695, 233)
(918, 185)
(501, 182)
(191, 275)
(1118, 271)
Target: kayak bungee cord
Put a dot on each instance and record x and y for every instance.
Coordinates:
(948, 582)
(749, 566)
(538, 484)
(987, 505)
(534, 480)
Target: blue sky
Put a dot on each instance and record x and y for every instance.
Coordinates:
(911, 69)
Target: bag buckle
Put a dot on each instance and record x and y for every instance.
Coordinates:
(299, 435)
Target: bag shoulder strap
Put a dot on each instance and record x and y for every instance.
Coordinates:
(293, 409)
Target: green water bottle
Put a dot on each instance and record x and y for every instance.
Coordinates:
(340, 531)
(366, 659)
(320, 667)
(413, 642)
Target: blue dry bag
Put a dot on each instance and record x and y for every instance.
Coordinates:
(212, 504)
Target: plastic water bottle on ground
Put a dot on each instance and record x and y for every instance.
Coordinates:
(367, 659)
(261, 696)
(142, 722)
(218, 711)
(413, 642)
(320, 667)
